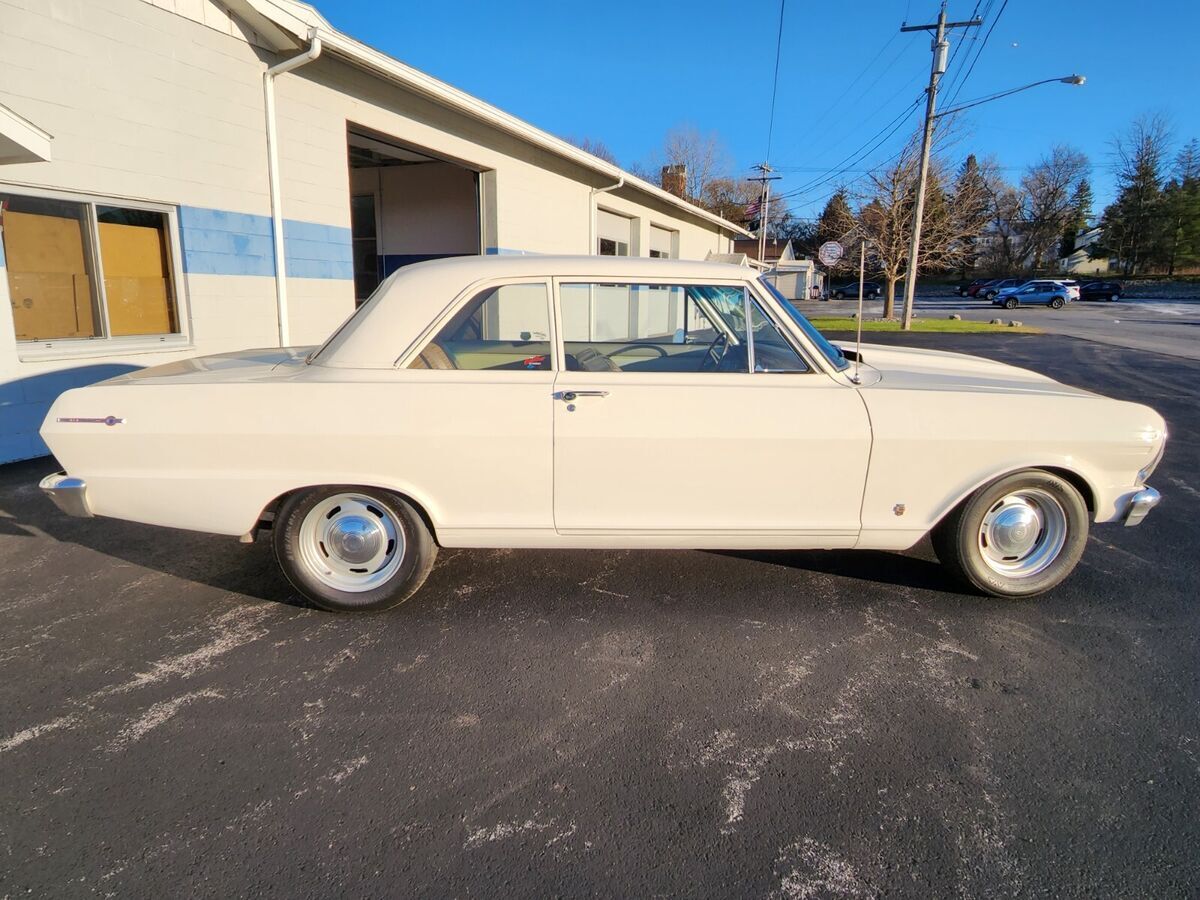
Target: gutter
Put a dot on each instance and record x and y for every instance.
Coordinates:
(269, 76)
(593, 212)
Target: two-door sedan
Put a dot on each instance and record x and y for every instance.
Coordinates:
(540, 401)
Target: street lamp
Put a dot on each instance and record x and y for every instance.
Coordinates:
(914, 247)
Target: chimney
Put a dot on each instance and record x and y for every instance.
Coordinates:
(674, 179)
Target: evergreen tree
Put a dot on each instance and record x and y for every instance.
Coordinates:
(1080, 216)
(1181, 203)
(971, 210)
(1132, 226)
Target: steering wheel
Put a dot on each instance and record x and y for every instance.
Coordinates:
(715, 354)
(659, 350)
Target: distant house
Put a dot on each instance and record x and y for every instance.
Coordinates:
(1078, 262)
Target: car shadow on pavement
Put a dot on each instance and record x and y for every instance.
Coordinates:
(878, 566)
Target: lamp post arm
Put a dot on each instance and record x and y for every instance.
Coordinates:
(1070, 79)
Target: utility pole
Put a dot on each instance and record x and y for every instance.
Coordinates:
(936, 71)
(765, 178)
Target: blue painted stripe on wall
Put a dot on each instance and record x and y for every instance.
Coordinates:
(218, 242)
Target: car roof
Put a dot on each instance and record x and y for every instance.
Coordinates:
(411, 298)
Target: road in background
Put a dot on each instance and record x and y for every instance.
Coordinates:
(1171, 327)
(610, 723)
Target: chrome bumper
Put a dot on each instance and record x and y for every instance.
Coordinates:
(1140, 505)
(69, 494)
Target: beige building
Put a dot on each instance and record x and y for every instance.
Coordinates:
(183, 177)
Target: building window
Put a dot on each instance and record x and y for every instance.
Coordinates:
(82, 270)
(609, 247)
(614, 233)
(664, 243)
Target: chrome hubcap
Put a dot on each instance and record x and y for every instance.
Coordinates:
(1023, 533)
(350, 542)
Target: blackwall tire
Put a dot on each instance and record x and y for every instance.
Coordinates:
(1010, 303)
(984, 545)
(352, 549)
(1056, 303)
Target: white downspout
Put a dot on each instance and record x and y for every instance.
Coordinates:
(592, 213)
(295, 62)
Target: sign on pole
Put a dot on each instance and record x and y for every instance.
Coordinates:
(830, 253)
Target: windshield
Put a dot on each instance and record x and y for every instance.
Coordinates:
(828, 350)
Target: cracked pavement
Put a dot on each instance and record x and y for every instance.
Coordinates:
(770, 724)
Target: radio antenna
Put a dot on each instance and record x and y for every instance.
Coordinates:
(862, 267)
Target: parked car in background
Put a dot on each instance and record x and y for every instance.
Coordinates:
(968, 289)
(871, 290)
(975, 287)
(543, 401)
(993, 288)
(1054, 294)
(1071, 285)
(1112, 291)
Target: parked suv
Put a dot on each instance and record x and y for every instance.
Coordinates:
(1111, 291)
(1049, 293)
(871, 290)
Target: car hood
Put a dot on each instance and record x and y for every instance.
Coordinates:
(244, 365)
(906, 368)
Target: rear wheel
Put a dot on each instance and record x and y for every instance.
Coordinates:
(1114, 298)
(839, 295)
(352, 549)
(1021, 535)
(1056, 302)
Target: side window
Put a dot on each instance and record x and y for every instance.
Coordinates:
(504, 328)
(628, 327)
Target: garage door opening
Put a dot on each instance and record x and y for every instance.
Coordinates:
(406, 206)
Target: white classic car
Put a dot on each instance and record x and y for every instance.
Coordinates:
(539, 401)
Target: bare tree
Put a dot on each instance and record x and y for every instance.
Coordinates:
(886, 219)
(595, 147)
(1048, 186)
(704, 156)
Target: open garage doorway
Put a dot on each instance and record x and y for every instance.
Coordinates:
(406, 206)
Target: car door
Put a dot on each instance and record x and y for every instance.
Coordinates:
(661, 429)
(472, 422)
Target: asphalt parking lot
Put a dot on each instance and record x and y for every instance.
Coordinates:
(617, 724)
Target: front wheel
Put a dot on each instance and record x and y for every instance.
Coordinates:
(1021, 535)
(352, 549)
(1114, 298)
(838, 295)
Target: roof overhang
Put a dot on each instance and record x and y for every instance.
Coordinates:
(20, 140)
(296, 24)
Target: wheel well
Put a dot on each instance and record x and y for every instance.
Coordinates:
(1075, 479)
(1085, 489)
(266, 518)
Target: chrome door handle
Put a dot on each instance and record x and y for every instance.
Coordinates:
(568, 396)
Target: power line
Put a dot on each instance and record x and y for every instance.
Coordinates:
(872, 143)
(775, 81)
(978, 53)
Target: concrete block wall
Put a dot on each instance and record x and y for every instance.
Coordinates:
(161, 101)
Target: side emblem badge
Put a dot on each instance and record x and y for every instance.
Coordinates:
(898, 509)
(110, 421)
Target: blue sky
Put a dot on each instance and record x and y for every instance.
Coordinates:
(625, 72)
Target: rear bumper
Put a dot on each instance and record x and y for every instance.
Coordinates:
(69, 494)
(1140, 505)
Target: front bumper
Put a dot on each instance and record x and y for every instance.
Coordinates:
(69, 494)
(1140, 505)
